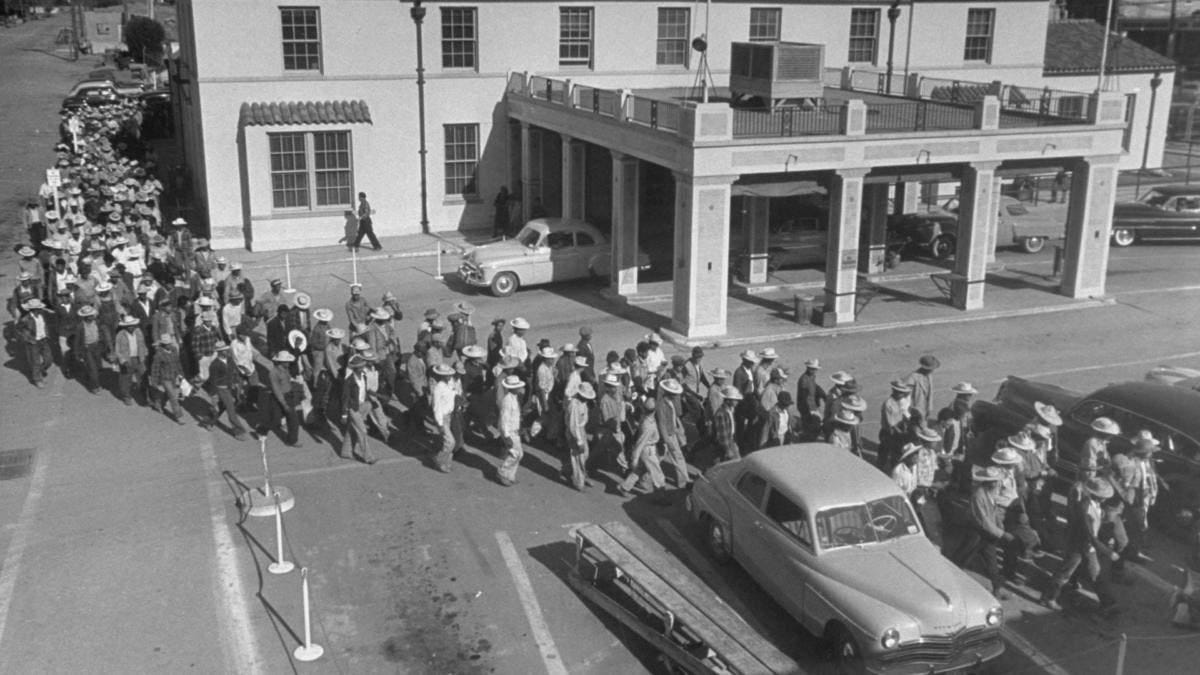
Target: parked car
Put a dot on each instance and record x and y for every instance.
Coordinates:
(95, 94)
(123, 88)
(1188, 378)
(1027, 229)
(1170, 413)
(931, 233)
(1164, 212)
(837, 544)
(544, 251)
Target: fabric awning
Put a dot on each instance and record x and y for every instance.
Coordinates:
(305, 112)
(777, 189)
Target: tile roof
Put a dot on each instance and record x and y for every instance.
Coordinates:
(1073, 47)
(305, 112)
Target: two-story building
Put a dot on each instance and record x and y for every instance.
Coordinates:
(606, 111)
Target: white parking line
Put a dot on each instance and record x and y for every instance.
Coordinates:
(1164, 359)
(1036, 655)
(529, 602)
(238, 643)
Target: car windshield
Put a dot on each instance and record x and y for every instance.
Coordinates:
(529, 237)
(876, 521)
(1154, 198)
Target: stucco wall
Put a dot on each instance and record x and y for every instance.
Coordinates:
(1138, 83)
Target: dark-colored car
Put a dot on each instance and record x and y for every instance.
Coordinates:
(1170, 413)
(928, 233)
(1164, 212)
(91, 95)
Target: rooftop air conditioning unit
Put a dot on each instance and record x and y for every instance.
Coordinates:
(776, 71)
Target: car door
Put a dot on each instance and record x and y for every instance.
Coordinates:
(565, 258)
(535, 267)
(745, 513)
(784, 545)
(1180, 220)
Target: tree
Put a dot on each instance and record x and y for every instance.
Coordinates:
(144, 37)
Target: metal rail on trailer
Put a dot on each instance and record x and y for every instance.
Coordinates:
(668, 606)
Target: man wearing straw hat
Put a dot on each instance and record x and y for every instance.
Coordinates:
(1140, 479)
(165, 376)
(610, 435)
(224, 381)
(356, 408)
(986, 536)
(510, 429)
(34, 333)
(130, 350)
(714, 400)
(358, 311)
(643, 460)
(893, 425)
(278, 400)
(1084, 546)
(724, 425)
(810, 399)
(90, 345)
(386, 344)
(842, 434)
(670, 429)
(743, 381)
(443, 400)
(576, 419)
(921, 383)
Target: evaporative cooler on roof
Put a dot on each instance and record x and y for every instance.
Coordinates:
(777, 71)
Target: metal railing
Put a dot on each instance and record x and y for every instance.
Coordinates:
(918, 116)
(654, 113)
(770, 123)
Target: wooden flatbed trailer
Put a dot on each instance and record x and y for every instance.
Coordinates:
(668, 606)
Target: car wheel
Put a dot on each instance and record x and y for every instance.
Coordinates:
(847, 658)
(1123, 237)
(942, 246)
(505, 284)
(715, 539)
(1033, 244)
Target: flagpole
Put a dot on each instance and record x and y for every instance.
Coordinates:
(1104, 47)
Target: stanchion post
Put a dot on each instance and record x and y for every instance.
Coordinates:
(287, 268)
(439, 260)
(262, 501)
(354, 262)
(307, 651)
(280, 566)
(1121, 654)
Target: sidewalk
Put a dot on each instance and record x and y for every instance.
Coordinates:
(397, 247)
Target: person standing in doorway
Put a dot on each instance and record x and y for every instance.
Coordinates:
(365, 224)
(1060, 187)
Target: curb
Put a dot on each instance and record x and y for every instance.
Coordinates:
(717, 343)
(447, 247)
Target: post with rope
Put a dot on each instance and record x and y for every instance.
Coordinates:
(307, 651)
(438, 276)
(281, 565)
(263, 501)
(354, 264)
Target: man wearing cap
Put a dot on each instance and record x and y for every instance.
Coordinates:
(810, 399)
(986, 536)
(894, 425)
(443, 401)
(921, 383)
(670, 429)
(356, 408)
(90, 345)
(34, 333)
(224, 381)
(643, 459)
(1084, 546)
(279, 400)
(510, 429)
(131, 358)
(575, 421)
(165, 376)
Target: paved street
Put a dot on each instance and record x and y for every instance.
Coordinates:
(122, 549)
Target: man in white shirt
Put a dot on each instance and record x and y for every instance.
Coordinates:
(443, 397)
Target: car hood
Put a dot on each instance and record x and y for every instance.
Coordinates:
(509, 250)
(1021, 394)
(911, 576)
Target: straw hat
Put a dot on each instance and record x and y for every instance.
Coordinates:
(1021, 441)
(303, 300)
(814, 364)
(335, 334)
(750, 355)
(719, 374)
(611, 379)
(284, 357)
(909, 449)
(1005, 456)
(844, 416)
(1048, 413)
(901, 387)
(443, 370)
(473, 352)
(126, 321)
(927, 434)
(381, 314)
(34, 303)
(671, 386)
(1145, 443)
(297, 340)
(464, 307)
(767, 353)
(548, 352)
(323, 314)
(1099, 488)
(986, 474)
(929, 361)
(964, 388)
(1106, 426)
(854, 403)
(581, 361)
(519, 323)
(87, 311)
(586, 391)
(512, 382)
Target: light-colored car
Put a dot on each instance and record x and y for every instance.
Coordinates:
(544, 251)
(1026, 228)
(837, 544)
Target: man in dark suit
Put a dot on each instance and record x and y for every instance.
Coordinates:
(356, 407)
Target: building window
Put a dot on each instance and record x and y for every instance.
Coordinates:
(764, 23)
(980, 23)
(673, 38)
(462, 159)
(864, 36)
(460, 41)
(301, 38)
(311, 170)
(575, 36)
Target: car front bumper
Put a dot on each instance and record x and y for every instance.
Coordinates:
(940, 655)
(473, 275)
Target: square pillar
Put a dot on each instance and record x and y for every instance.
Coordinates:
(579, 186)
(1089, 219)
(758, 224)
(976, 214)
(994, 222)
(569, 203)
(526, 172)
(874, 236)
(841, 255)
(908, 197)
(625, 177)
(701, 274)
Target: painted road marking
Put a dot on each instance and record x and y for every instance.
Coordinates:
(1169, 289)
(11, 567)
(239, 642)
(1036, 655)
(529, 602)
(1166, 358)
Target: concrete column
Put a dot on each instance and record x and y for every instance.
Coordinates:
(908, 197)
(1089, 218)
(579, 187)
(874, 238)
(841, 255)
(569, 169)
(758, 225)
(701, 283)
(526, 172)
(994, 221)
(976, 211)
(625, 223)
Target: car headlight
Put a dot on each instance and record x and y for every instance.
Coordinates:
(995, 615)
(890, 639)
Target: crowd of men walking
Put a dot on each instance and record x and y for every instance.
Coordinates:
(106, 287)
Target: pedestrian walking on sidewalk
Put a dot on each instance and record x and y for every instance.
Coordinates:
(356, 407)
(510, 429)
(365, 224)
(35, 335)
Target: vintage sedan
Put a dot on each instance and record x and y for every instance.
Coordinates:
(1170, 412)
(1164, 212)
(545, 250)
(1019, 225)
(837, 544)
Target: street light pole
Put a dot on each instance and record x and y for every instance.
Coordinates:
(1155, 82)
(418, 16)
(893, 13)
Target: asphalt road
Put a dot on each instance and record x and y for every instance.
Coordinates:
(123, 550)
